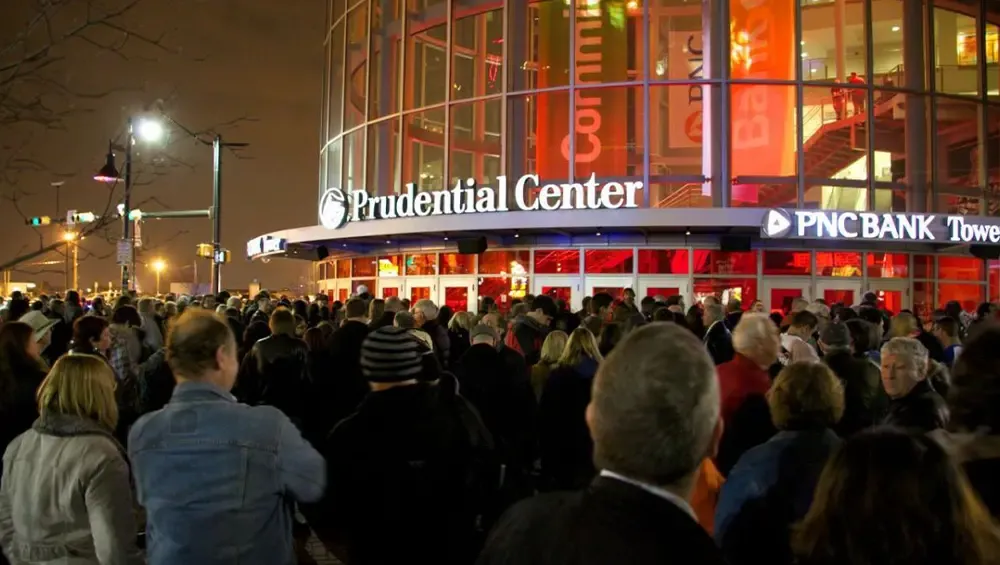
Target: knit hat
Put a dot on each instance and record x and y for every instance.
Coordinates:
(390, 355)
(835, 335)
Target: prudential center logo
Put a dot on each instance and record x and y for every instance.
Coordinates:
(333, 209)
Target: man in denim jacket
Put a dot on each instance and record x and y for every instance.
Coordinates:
(218, 479)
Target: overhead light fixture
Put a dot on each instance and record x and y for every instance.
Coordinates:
(109, 172)
(895, 28)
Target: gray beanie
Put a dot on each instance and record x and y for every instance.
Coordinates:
(391, 355)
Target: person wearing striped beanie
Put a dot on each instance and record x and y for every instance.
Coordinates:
(391, 355)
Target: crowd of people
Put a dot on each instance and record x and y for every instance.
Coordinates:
(215, 429)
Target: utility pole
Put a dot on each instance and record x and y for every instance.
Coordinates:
(127, 266)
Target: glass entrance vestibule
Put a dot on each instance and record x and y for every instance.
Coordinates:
(901, 280)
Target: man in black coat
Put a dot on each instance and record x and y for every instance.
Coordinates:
(654, 417)
(914, 404)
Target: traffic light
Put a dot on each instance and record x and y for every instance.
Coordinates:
(85, 217)
(204, 250)
(39, 221)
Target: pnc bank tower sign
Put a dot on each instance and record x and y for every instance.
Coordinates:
(337, 208)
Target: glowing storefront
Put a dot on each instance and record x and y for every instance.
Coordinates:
(603, 144)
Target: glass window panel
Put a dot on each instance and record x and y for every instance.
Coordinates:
(726, 289)
(476, 141)
(887, 30)
(888, 265)
(386, 53)
(820, 60)
(426, 72)
(675, 45)
(423, 149)
(364, 267)
(834, 147)
(390, 266)
(796, 263)
(956, 52)
(457, 298)
(344, 268)
(923, 266)
(923, 300)
(557, 262)
(539, 44)
(608, 261)
(502, 290)
(388, 291)
(336, 87)
(536, 128)
(891, 134)
(503, 262)
(838, 264)
(763, 130)
(675, 147)
(457, 264)
(993, 56)
(762, 37)
(960, 189)
(663, 262)
(712, 262)
(968, 295)
(383, 157)
(357, 63)
(993, 158)
(477, 52)
(419, 293)
(960, 269)
(354, 160)
(334, 161)
(994, 279)
(608, 133)
(337, 9)
(421, 264)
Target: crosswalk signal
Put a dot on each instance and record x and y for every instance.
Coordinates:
(204, 250)
(39, 221)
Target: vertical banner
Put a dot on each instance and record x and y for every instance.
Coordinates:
(685, 60)
(599, 43)
(763, 125)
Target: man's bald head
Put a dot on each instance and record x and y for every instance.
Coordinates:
(199, 345)
(655, 408)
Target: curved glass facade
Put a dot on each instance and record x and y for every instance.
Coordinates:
(847, 104)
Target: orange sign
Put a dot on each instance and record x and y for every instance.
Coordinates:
(598, 132)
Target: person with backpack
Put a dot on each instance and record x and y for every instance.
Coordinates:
(408, 463)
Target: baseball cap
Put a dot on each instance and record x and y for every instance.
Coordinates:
(39, 322)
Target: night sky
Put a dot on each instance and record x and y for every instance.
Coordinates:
(251, 68)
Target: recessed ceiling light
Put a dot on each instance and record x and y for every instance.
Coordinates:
(598, 234)
(895, 28)
(814, 71)
(804, 54)
(803, 42)
(387, 241)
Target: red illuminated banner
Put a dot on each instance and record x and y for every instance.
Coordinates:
(599, 45)
(763, 37)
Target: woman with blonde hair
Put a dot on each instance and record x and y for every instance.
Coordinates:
(459, 326)
(564, 439)
(552, 349)
(65, 496)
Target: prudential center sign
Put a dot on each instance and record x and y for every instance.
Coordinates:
(337, 208)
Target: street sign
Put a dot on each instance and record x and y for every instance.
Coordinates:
(124, 252)
(70, 217)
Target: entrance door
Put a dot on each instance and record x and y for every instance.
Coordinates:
(459, 294)
(420, 288)
(389, 287)
(846, 292)
(778, 294)
(615, 286)
(564, 288)
(343, 290)
(893, 295)
(664, 287)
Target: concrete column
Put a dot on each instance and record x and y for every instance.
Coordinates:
(914, 63)
(840, 49)
(716, 119)
(388, 97)
(517, 110)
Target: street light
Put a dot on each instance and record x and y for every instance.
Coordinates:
(147, 130)
(158, 266)
(72, 254)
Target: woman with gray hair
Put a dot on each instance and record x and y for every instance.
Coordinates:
(914, 404)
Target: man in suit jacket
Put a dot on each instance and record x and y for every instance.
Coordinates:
(653, 416)
(718, 338)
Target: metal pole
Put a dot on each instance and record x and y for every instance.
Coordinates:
(127, 207)
(216, 213)
(157, 282)
(66, 266)
(76, 265)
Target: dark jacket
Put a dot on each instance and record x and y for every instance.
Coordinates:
(156, 382)
(719, 342)
(609, 522)
(385, 320)
(865, 401)
(769, 489)
(564, 438)
(922, 409)
(62, 334)
(459, 339)
(407, 462)
(442, 342)
(526, 337)
(20, 409)
(351, 385)
(276, 372)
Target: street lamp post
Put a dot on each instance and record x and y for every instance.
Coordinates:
(158, 267)
(72, 254)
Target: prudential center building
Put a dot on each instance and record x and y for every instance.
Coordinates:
(750, 149)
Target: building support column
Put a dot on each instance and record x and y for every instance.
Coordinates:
(914, 63)
(717, 122)
(840, 55)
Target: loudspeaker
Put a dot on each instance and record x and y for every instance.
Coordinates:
(314, 254)
(472, 246)
(734, 243)
(985, 251)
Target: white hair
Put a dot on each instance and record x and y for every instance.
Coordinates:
(753, 330)
(819, 310)
(361, 289)
(908, 349)
(427, 307)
